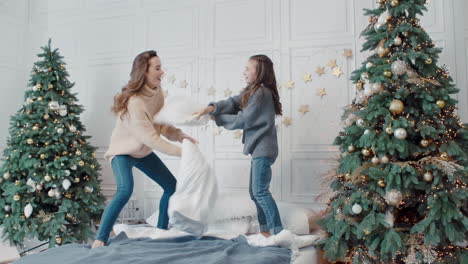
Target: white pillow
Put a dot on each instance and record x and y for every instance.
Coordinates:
(177, 111)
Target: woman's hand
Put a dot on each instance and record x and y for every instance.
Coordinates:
(185, 136)
(203, 111)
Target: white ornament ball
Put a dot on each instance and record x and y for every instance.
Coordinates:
(66, 184)
(51, 193)
(360, 122)
(53, 105)
(428, 177)
(399, 67)
(368, 89)
(384, 17)
(34, 88)
(375, 160)
(357, 209)
(384, 159)
(72, 129)
(47, 178)
(89, 189)
(67, 173)
(28, 209)
(365, 77)
(58, 194)
(378, 26)
(63, 112)
(7, 208)
(351, 148)
(393, 197)
(59, 130)
(376, 87)
(6, 175)
(369, 65)
(367, 131)
(39, 187)
(400, 133)
(73, 167)
(397, 41)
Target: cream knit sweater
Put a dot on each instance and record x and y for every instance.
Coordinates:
(136, 135)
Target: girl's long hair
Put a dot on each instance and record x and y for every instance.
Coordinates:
(135, 84)
(266, 76)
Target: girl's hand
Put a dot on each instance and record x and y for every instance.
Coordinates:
(185, 136)
(203, 112)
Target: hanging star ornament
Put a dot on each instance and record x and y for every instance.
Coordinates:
(307, 77)
(320, 92)
(304, 109)
(289, 84)
(347, 53)
(320, 71)
(331, 63)
(211, 91)
(171, 79)
(287, 121)
(183, 84)
(337, 72)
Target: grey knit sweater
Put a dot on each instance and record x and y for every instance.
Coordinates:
(256, 119)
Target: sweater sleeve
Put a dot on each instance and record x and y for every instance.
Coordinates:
(170, 132)
(244, 118)
(227, 106)
(141, 126)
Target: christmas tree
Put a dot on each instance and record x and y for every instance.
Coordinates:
(50, 187)
(400, 184)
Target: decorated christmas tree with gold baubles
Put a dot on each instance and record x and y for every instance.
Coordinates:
(49, 186)
(400, 186)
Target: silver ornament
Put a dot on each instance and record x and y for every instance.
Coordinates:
(397, 41)
(360, 122)
(367, 131)
(51, 193)
(400, 133)
(7, 208)
(351, 148)
(384, 159)
(389, 130)
(6, 175)
(365, 152)
(59, 130)
(72, 129)
(376, 87)
(399, 67)
(28, 209)
(428, 177)
(53, 105)
(89, 189)
(368, 89)
(369, 65)
(357, 209)
(393, 197)
(375, 160)
(365, 77)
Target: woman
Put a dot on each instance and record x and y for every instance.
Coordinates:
(134, 138)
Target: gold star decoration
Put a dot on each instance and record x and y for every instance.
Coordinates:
(304, 109)
(307, 77)
(337, 72)
(171, 79)
(287, 121)
(183, 84)
(289, 84)
(320, 92)
(211, 91)
(227, 92)
(237, 134)
(331, 64)
(347, 53)
(320, 71)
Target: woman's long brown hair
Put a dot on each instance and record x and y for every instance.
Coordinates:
(266, 76)
(136, 82)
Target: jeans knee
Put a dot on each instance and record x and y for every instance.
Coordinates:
(123, 194)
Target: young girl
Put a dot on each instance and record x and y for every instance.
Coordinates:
(254, 111)
(134, 138)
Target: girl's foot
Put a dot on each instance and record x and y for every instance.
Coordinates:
(266, 234)
(97, 243)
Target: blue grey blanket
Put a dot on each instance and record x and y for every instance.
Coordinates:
(187, 249)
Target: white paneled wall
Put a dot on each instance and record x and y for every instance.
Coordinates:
(205, 43)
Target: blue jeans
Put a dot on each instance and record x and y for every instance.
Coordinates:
(122, 165)
(267, 211)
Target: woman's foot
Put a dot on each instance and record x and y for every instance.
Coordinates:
(97, 243)
(266, 234)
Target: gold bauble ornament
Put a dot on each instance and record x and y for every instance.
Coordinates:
(42, 156)
(29, 141)
(16, 197)
(406, 33)
(381, 2)
(93, 154)
(389, 130)
(424, 142)
(47, 178)
(366, 232)
(39, 98)
(396, 107)
(46, 116)
(387, 74)
(58, 240)
(394, 3)
(428, 61)
(81, 163)
(39, 86)
(57, 157)
(444, 156)
(64, 153)
(47, 143)
(50, 86)
(359, 85)
(77, 180)
(440, 103)
(92, 166)
(78, 153)
(381, 183)
(381, 50)
(351, 148)
(68, 195)
(35, 128)
(7, 215)
(365, 152)
(17, 182)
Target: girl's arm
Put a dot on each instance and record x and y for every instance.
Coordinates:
(227, 106)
